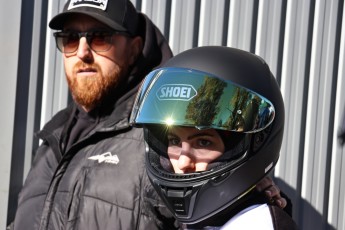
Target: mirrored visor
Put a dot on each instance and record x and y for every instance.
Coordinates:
(187, 97)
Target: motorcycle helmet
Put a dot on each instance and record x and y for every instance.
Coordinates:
(213, 87)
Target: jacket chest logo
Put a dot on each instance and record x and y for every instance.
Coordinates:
(106, 158)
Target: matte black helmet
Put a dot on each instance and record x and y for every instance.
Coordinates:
(222, 88)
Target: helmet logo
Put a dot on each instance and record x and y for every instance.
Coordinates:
(176, 92)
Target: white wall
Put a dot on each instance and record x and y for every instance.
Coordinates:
(9, 40)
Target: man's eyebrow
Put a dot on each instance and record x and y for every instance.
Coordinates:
(91, 29)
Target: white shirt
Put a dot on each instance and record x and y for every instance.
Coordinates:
(256, 217)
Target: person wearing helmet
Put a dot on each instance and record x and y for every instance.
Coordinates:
(213, 120)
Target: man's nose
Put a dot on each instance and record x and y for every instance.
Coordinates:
(84, 50)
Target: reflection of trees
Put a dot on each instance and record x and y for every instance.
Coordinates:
(244, 110)
(203, 107)
(243, 106)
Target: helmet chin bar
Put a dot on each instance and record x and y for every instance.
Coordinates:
(181, 201)
(188, 197)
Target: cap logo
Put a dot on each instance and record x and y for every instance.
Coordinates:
(176, 92)
(99, 4)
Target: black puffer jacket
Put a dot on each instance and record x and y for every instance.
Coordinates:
(100, 182)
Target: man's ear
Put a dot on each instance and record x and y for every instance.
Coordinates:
(136, 49)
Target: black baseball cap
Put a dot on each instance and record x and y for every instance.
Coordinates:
(119, 15)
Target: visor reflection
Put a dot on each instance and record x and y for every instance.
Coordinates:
(178, 96)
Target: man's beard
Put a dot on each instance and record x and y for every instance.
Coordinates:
(90, 91)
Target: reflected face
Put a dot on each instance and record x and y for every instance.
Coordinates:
(191, 150)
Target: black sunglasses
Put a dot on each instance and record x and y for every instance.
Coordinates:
(98, 41)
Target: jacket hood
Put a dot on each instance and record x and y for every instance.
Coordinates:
(155, 53)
